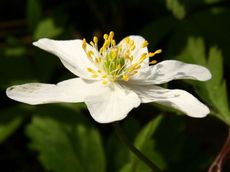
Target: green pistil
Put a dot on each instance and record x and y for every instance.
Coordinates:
(114, 65)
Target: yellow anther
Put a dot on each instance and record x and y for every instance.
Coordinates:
(95, 40)
(133, 72)
(104, 76)
(94, 76)
(90, 70)
(125, 77)
(98, 59)
(158, 51)
(131, 42)
(127, 55)
(143, 57)
(131, 58)
(153, 62)
(150, 54)
(99, 71)
(101, 50)
(119, 48)
(127, 39)
(114, 54)
(84, 44)
(90, 53)
(118, 66)
(105, 36)
(145, 44)
(154, 53)
(113, 42)
(104, 82)
(111, 35)
(138, 67)
(91, 43)
(133, 47)
(134, 66)
(106, 44)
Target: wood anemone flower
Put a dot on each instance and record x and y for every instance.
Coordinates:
(114, 79)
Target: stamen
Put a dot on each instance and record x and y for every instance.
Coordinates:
(98, 60)
(90, 70)
(91, 43)
(131, 42)
(104, 82)
(125, 77)
(95, 40)
(127, 39)
(104, 76)
(84, 44)
(133, 47)
(115, 62)
(158, 51)
(153, 62)
(113, 43)
(111, 35)
(145, 44)
(143, 57)
(154, 53)
(105, 36)
(90, 53)
(94, 76)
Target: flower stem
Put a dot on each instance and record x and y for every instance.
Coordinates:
(133, 149)
(217, 164)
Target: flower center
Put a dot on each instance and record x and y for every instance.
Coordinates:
(116, 62)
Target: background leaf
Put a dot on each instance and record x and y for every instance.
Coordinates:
(213, 91)
(177, 8)
(33, 13)
(146, 145)
(10, 120)
(66, 147)
(47, 29)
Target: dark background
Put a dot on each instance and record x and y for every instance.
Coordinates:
(30, 136)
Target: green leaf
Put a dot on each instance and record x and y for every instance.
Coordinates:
(10, 120)
(177, 8)
(145, 143)
(214, 91)
(216, 86)
(118, 152)
(33, 13)
(194, 52)
(65, 146)
(15, 65)
(211, 1)
(47, 29)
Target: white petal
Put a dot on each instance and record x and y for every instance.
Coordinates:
(72, 90)
(178, 99)
(138, 51)
(170, 70)
(70, 53)
(113, 103)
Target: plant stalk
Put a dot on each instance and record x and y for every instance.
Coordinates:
(133, 149)
(217, 164)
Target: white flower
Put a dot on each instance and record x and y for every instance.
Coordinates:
(113, 79)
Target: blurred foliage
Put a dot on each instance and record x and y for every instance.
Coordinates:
(61, 137)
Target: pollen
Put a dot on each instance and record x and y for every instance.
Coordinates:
(90, 70)
(95, 40)
(125, 77)
(84, 43)
(117, 62)
(145, 44)
(104, 82)
(153, 62)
